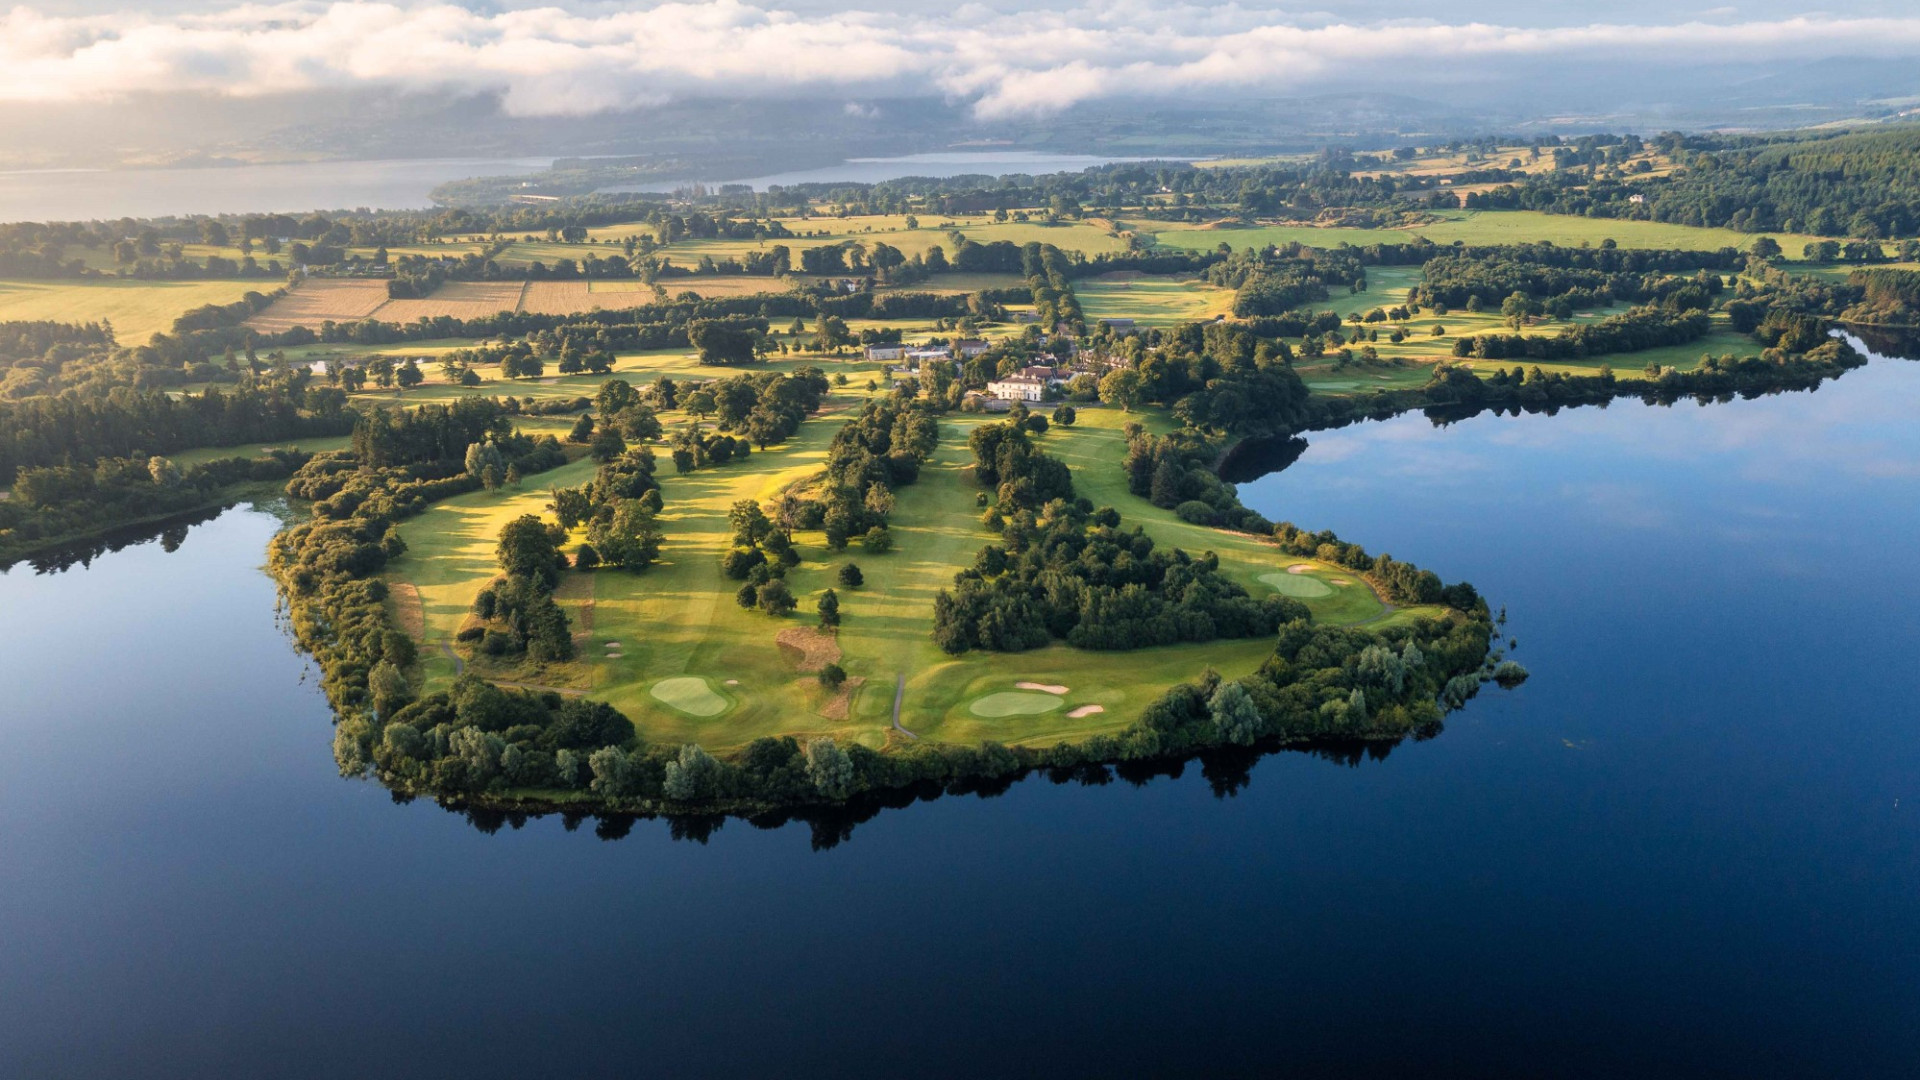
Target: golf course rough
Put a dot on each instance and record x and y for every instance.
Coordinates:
(1014, 703)
(690, 694)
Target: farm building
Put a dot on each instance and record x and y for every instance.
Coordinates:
(886, 350)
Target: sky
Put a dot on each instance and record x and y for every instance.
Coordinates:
(999, 59)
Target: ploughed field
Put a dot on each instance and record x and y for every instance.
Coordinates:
(670, 648)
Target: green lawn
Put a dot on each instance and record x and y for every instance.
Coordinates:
(678, 621)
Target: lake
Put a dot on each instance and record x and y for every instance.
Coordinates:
(876, 170)
(1690, 845)
(90, 194)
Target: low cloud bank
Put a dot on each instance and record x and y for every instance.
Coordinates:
(556, 62)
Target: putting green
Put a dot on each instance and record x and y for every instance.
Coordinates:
(690, 694)
(1015, 703)
(1299, 586)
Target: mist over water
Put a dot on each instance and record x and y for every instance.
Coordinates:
(1687, 846)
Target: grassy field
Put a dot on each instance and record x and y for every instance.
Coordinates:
(136, 308)
(677, 621)
(1474, 227)
(1152, 300)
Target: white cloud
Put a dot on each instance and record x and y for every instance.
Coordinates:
(552, 61)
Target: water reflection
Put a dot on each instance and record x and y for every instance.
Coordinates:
(169, 533)
(1227, 770)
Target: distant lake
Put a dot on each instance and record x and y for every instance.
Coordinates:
(944, 164)
(100, 194)
(1689, 846)
(87, 195)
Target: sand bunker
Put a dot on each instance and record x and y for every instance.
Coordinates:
(1341, 581)
(1087, 710)
(1014, 703)
(1299, 568)
(690, 694)
(1050, 688)
(733, 682)
(611, 644)
(1298, 586)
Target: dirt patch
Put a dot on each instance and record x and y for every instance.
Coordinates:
(1086, 710)
(407, 612)
(808, 649)
(1050, 688)
(840, 705)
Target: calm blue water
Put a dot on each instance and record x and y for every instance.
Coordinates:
(1689, 846)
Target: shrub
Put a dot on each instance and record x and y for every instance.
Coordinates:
(832, 676)
(471, 633)
(586, 558)
(748, 596)
(496, 643)
(851, 577)
(878, 540)
(1195, 511)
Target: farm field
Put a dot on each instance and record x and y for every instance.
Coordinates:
(137, 309)
(677, 620)
(1474, 227)
(321, 300)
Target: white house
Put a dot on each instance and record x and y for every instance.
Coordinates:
(968, 348)
(886, 350)
(921, 356)
(1636, 198)
(1017, 388)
